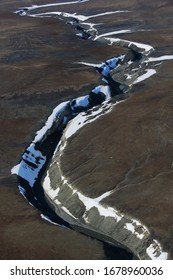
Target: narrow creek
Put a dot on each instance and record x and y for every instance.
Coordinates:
(119, 75)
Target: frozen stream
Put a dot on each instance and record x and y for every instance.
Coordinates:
(76, 113)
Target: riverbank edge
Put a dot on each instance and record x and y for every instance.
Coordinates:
(121, 231)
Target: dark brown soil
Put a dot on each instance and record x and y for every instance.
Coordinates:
(37, 72)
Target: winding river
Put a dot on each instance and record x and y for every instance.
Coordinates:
(119, 75)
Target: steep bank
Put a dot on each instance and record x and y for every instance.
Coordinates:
(97, 219)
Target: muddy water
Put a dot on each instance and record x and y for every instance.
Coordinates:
(32, 53)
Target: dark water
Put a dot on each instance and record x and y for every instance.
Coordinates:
(116, 253)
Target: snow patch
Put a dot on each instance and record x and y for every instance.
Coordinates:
(160, 58)
(52, 193)
(103, 211)
(90, 64)
(104, 195)
(146, 48)
(34, 7)
(154, 251)
(113, 33)
(55, 114)
(108, 13)
(47, 182)
(84, 118)
(15, 169)
(149, 73)
(137, 229)
(46, 218)
(68, 212)
(109, 65)
(103, 89)
(82, 101)
(30, 165)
